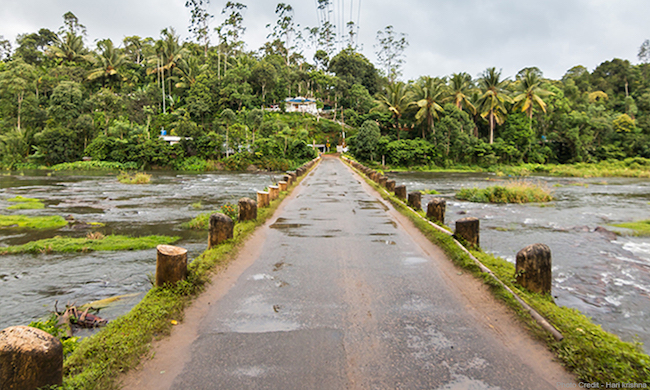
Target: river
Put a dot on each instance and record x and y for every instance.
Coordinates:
(30, 284)
(606, 279)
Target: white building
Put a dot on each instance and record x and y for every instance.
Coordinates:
(301, 104)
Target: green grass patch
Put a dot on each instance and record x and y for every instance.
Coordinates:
(630, 167)
(98, 360)
(593, 354)
(136, 178)
(20, 198)
(430, 192)
(27, 206)
(36, 223)
(513, 192)
(639, 228)
(95, 166)
(94, 242)
(202, 221)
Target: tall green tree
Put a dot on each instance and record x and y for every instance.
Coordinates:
(390, 52)
(107, 63)
(530, 94)
(459, 90)
(17, 81)
(428, 94)
(396, 99)
(200, 22)
(492, 103)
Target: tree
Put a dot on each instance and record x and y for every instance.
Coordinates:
(71, 24)
(396, 100)
(168, 53)
(31, 47)
(255, 118)
(530, 95)
(355, 68)
(229, 117)
(428, 94)
(107, 63)
(285, 27)
(390, 52)
(460, 86)
(366, 140)
(69, 48)
(200, 22)
(5, 48)
(492, 102)
(264, 75)
(16, 81)
(644, 52)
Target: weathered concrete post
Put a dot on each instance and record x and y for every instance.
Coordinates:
(283, 185)
(436, 210)
(400, 192)
(415, 200)
(274, 192)
(221, 229)
(171, 264)
(29, 359)
(468, 230)
(262, 199)
(533, 269)
(247, 210)
(382, 181)
(293, 176)
(390, 185)
(286, 179)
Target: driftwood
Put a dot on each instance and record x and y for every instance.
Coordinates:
(74, 318)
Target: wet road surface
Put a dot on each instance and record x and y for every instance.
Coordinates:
(341, 295)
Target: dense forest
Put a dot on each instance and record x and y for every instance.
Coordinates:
(61, 100)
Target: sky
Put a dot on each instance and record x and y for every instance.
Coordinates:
(445, 36)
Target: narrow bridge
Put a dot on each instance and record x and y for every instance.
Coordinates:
(339, 291)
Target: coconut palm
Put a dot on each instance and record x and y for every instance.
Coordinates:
(427, 95)
(168, 54)
(530, 94)
(460, 86)
(492, 103)
(69, 48)
(107, 63)
(396, 100)
(188, 70)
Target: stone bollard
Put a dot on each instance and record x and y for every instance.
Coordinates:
(283, 185)
(221, 229)
(299, 171)
(29, 359)
(171, 264)
(262, 199)
(436, 210)
(247, 210)
(293, 177)
(533, 269)
(400, 192)
(390, 185)
(274, 192)
(415, 200)
(286, 179)
(382, 181)
(468, 229)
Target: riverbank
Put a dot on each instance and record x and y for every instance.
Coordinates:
(630, 167)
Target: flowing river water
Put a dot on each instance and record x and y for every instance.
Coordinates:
(605, 277)
(31, 283)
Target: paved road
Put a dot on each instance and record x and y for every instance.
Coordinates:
(344, 296)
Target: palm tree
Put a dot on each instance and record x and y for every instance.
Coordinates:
(69, 48)
(168, 53)
(396, 99)
(108, 62)
(491, 104)
(427, 94)
(460, 86)
(188, 70)
(530, 94)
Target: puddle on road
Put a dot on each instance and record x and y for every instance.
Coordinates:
(281, 224)
(385, 242)
(391, 223)
(372, 205)
(263, 325)
(414, 261)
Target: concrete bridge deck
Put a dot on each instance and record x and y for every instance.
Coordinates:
(339, 291)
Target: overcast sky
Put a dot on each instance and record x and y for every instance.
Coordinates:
(445, 36)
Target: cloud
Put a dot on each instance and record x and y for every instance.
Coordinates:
(445, 36)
